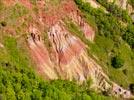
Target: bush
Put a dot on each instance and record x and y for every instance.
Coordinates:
(128, 36)
(115, 10)
(117, 62)
(131, 87)
(3, 23)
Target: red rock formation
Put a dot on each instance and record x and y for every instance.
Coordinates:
(40, 54)
(85, 27)
(66, 45)
(68, 9)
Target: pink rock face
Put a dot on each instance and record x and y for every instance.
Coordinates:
(26, 3)
(66, 45)
(89, 32)
(85, 27)
(69, 7)
(68, 49)
(38, 51)
(50, 19)
(69, 52)
(65, 56)
(40, 54)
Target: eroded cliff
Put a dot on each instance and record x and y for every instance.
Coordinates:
(66, 56)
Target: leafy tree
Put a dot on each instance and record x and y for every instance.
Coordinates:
(129, 35)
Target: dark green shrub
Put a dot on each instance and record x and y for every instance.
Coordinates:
(131, 87)
(117, 62)
(3, 23)
(125, 71)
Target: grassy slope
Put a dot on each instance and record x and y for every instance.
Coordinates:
(101, 50)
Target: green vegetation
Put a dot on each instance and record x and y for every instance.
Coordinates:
(11, 14)
(47, 42)
(114, 36)
(33, 2)
(129, 35)
(115, 10)
(117, 62)
(109, 24)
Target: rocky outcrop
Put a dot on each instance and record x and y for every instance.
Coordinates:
(68, 48)
(119, 91)
(85, 28)
(40, 54)
(70, 59)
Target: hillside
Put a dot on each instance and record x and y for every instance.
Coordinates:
(66, 49)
